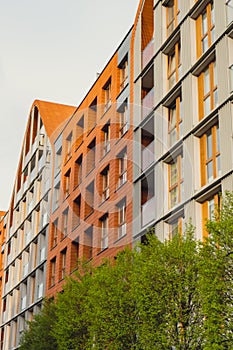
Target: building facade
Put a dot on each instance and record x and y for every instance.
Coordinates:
(27, 223)
(150, 145)
(182, 115)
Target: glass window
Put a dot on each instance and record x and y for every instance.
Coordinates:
(210, 155)
(176, 181)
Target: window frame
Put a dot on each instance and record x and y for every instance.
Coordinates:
(174, 65)
(178, 184)
(171, 24)
(177, 104)
(210, 30)
(211, 93)
(213, 157)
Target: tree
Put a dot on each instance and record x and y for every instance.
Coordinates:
(168, 301)
(38, 335)
(216, 278)
(71, 328)
(112, 305)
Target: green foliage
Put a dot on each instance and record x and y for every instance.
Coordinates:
(175, 294)
(38, 335)
(216, 282)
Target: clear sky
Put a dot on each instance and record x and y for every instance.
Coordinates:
(50, 50)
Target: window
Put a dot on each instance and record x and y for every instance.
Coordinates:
(175, 121)
(88, 243)
(205, 29)
(89, 199)
(68, 147)
(63, 264)
(122, 160)
(124, 73)
(65, 223)
(208, 93)
(147, 198)
(79, 132)
(56, 195)
(173, 15)
(58, 161)
(176, 227)
(74, 253)
(210, 155)
(176, 181)
(106, 138)
(174, 66)
(54, 233)
(105, 183)
(147, 144)
(124, 118)
(107, 95)
(67, 183)
(121, 208)
(208, 209)
(53, 272)
(104, 232)
(90, 156)
(76, 212)
(147, 92)
(92, 115)
(78, 171)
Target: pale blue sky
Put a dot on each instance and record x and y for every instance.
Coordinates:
(49, 50)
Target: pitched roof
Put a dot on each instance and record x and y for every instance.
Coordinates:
(53, 115)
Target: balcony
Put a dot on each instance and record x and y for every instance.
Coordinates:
(147, 53)
(147, 155)
(148, 211)
(148, 103)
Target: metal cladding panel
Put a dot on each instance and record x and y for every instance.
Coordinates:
(189, 212)
(189, 104)
(161, 124)
(136, 209)
(158, 78)
(160, 185)
(222, 68)
(220, 17)
(185, 49)
(227, 184)
(158, 27)
(190, 168)
(137, 49)
(137, 104)
(159, 231)
(124, 48)
(226, 138)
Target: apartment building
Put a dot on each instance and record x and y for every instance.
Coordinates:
(182, 115)
(27, 223)
(91, 214)
(150, 145)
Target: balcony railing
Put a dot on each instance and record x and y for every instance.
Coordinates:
(147, 155)
(147, 53)
(148, 103)
(148, 211)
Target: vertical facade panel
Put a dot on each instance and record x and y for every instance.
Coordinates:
(226, 137)
(222, 62)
